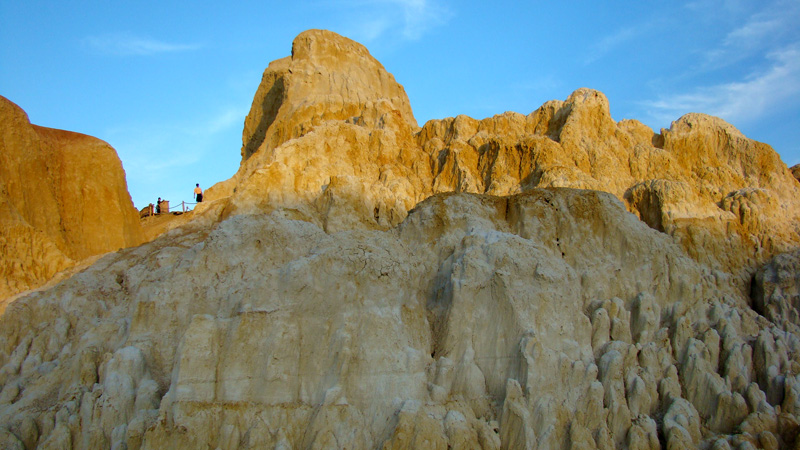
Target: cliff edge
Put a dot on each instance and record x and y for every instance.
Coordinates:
(63, 198)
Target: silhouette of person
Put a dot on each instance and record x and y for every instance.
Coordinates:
(198, 193)
(158, 206)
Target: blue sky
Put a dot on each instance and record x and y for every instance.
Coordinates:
(168, 84)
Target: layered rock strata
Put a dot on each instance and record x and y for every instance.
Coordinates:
(331, 136)
(63, 197)
(556, 280)
(729, 199)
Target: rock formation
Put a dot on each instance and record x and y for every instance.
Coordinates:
(330, 134)
(63, 197)
(556, 280)
(700, 180)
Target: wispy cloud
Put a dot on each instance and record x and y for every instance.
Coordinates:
(610, 42)
(742, 101)
(226, 119)
(421, 15)
(162, 159)
(754, 30)
(123, 44)
(774, 22)
(371, 29)
(410, 19)
(758, 56)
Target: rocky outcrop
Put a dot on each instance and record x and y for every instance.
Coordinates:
(556, 280)
(795, 169)
(331, 136)
(327, 78)
(726, 197)
(63, 197)
(776, 291)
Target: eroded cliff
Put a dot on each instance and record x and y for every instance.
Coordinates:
(63, 198)
(556, 280)
(337, 143)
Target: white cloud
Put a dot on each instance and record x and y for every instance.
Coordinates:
(410, 19)
(610, 42)
(371, 29)
(754, 30)
(157, 151)
(743, 101)
(123, 44)
(420, 15)
(773, 22)
(761, 44)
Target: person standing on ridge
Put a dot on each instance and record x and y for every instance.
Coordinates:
(198, 193)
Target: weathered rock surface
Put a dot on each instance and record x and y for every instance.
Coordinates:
(795, 169)
(728, 199)
(327, 78)
(556, 280)
(776, 291)
(63, 197)
(331, 136)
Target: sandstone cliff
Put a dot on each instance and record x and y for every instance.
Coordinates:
(795, 169)
(63, 197)
(556, 280)
(727, 198)
(331, 136)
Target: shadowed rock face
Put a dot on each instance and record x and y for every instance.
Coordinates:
(63, 197)
(327, 78)
(556, 280)
(795, 169)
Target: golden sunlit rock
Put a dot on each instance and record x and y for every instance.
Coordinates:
(555, 280)
(63, 198)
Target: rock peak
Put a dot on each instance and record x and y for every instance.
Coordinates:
(589, 97)
(317, 44)
(327, 77)
(690, 121)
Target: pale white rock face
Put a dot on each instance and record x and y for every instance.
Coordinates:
(556, 280)
(480, 322)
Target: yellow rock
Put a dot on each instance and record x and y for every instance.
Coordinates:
(63, 198)
(555, 280)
